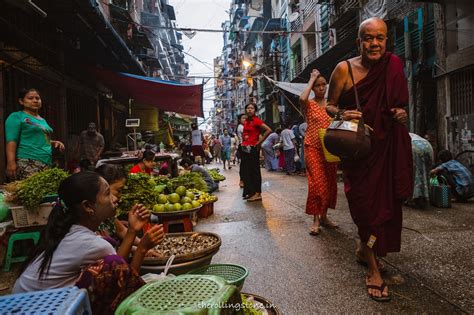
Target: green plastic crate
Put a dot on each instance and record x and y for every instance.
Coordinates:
(233, 274)
(183, 295)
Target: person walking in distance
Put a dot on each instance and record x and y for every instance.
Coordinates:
(250, 165)
(289, 149)
(226, 142)
(322, 185)
(197, 139)
(376, 186)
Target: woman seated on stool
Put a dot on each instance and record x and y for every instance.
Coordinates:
(71, 253)
(188, 165)
(146, 164)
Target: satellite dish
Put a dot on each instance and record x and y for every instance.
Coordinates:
(293, 16)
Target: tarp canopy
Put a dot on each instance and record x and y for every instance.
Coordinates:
(183, 98)
(293, 88)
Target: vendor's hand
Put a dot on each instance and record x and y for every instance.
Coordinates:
(11, 170)
(138, 216)
(400, 115)
(153, 237)
(351, 114)
(434, 171)
(314, 74)
(58, 145)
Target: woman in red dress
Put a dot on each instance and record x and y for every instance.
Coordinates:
(322, 187)
(146, 164)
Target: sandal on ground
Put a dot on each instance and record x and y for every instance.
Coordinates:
(314, 231)
(380, 265)
(254, 198)
(380, 288)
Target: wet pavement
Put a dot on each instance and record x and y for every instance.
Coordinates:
(304, 274)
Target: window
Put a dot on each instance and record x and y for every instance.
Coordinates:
(462, 92)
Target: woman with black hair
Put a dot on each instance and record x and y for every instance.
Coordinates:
(146, 164)
(251, 142)
(240, 132)
(189, 165)
(28, 138)
(69, 246)
(113, 229)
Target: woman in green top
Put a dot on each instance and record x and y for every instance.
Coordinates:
(28, 137)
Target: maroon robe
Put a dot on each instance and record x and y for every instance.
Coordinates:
(377, 186)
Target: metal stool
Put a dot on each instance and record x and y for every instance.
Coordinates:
(18, 236)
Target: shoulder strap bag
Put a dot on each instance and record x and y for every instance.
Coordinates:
(349, 140)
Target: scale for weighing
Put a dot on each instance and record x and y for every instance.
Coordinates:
(133, 123)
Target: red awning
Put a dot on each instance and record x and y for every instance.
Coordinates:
(182, 98)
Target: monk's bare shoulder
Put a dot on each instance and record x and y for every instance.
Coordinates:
(340, 71)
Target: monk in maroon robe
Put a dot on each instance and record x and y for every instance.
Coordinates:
(376, 186)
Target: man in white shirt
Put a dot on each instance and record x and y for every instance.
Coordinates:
(196, 141)
(289, 144)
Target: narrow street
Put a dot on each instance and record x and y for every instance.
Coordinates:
(304, 274)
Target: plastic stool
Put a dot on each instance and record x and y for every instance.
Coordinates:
(18, 236)
(68, 301)
(184, 220)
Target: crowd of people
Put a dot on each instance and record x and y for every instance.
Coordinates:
(83, 241)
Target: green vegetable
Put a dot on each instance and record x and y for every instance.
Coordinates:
(189, 180)
(214, 173)
(141, 188)
(30, 191)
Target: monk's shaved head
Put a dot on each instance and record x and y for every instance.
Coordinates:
(373, 22)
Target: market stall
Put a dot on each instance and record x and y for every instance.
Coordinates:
(133, 157)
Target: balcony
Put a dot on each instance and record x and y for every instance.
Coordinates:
(297, 24)
(309, 10)
(343, 11)
(310, 57)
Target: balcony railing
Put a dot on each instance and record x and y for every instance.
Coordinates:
(309, 58)
(309, 10)
(297, 24)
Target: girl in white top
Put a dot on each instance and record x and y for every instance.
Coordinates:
(69, 242)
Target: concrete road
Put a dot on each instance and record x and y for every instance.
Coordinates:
(304, 274)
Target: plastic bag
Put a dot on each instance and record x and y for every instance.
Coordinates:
(152, 277)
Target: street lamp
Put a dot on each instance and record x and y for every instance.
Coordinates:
(247, 64)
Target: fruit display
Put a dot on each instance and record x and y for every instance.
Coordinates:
(141, 188)
(215, 175)
(202, 196)
(205, 197)
(163, 194)
(189, 181)
(31, 191)
(183, 244)
(180, 200)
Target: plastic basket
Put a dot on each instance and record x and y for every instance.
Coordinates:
(186, 294)
(68, 301)
(233, 274)
(23, 217)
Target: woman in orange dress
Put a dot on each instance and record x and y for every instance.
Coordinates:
(322, 187)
